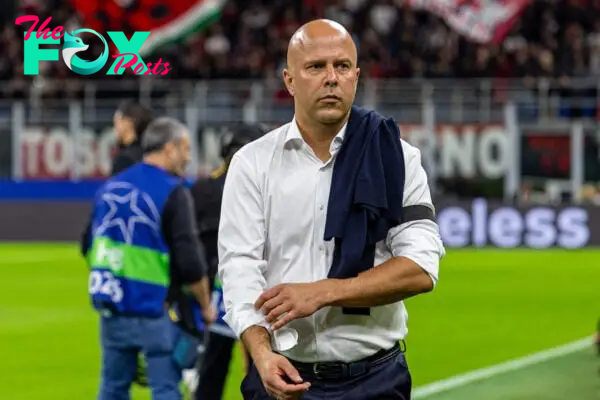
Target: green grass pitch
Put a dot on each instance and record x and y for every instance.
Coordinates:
(490, 306)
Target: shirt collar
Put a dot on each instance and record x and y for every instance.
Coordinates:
(294, 137)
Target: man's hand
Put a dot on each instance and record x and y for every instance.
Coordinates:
(295, 300)
(280, 378)
(209, 315)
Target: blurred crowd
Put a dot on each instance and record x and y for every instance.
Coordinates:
(558, 39)
(553, 38)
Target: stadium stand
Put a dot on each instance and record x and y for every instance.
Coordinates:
(553, 39)
(512, 286)
(548, 64)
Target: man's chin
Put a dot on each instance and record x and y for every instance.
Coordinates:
(181, 172)
(330, 116)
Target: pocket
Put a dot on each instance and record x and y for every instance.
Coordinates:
(402, 360)
(405, 382)
(396, 382)
(158, 335)
(118, 332)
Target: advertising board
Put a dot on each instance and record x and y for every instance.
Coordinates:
(477, 223)
(463, 151)
(482, 223)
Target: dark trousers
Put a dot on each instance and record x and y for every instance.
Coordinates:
(214, 367)
(389, 380)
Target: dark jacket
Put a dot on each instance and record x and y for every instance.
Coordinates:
(127, 156)
(367, 189)
(207, 195)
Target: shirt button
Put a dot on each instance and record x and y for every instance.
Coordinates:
(321, 248)
(321, 207)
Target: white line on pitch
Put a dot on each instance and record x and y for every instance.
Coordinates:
(512, 365)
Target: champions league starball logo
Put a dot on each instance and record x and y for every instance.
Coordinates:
(126, 208)
(128, 56)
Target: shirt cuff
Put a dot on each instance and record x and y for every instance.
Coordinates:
(281, 340)
(243, 318)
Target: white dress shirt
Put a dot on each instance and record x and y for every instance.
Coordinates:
(271, 231)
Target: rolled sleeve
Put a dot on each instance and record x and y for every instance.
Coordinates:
(419, 240)
(241, 246)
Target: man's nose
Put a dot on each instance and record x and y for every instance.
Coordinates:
(331, 78)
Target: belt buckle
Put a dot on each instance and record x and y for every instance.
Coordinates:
(331, 371)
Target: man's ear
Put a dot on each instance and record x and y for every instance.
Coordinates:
(289, 82)
(169, 147)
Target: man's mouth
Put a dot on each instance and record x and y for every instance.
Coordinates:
(330, 97)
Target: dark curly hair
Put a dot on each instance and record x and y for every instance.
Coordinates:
(139, 114)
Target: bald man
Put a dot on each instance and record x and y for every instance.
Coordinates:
(314, 274)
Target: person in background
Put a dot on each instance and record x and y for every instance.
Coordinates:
(130, 121)
(214, 367)
(143, 238)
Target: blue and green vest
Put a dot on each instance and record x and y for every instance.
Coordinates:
(129, 258)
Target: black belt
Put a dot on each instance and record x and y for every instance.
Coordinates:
(336, 371)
